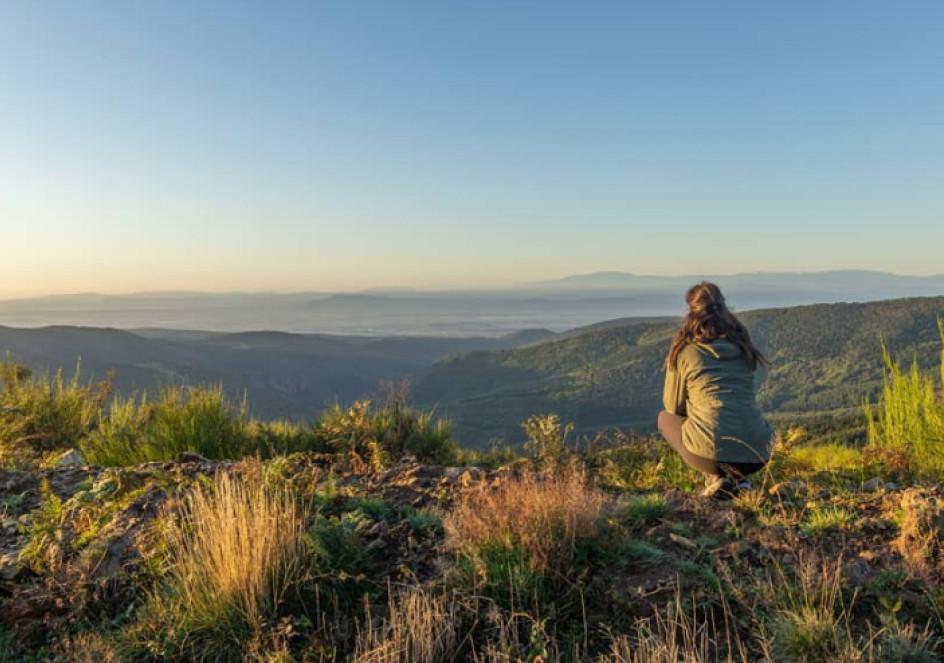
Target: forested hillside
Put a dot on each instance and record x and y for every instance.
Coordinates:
(283, 375)
(825, 358)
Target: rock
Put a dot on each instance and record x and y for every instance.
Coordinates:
(683, 541)
(873, 485)
(70, 458)
(857, 573)
(10, 567)
(463, 476)
(890, 487)
(191, 457)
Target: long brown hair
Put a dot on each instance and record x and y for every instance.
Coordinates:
(710, 318)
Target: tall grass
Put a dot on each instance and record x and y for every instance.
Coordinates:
(198, 419)
(420, 627)
(40, 414)
(680, 635)
(377, 433)
(908, 420)
(239, 558)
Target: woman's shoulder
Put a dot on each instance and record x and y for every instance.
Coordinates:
(708, 351)
(688, 355)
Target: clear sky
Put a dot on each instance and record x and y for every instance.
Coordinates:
(341, 145)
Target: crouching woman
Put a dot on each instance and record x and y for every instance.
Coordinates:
(711, 417)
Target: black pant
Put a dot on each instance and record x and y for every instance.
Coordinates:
(670, 425)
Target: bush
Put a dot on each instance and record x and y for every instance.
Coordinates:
(547, 440)
(378, 434)
(198, 419)
(909, 419)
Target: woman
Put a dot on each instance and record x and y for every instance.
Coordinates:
(711, 417)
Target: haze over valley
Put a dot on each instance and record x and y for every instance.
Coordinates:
(557, 305)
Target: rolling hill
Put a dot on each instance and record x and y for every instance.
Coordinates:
(283, 375)
(826, 358)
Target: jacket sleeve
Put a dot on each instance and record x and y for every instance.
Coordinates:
(674, 395)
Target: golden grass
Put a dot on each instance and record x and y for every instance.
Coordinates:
(542, 516)
(419, 628)
(237, 551)
(677, 635)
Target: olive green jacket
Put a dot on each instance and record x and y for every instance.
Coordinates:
(713, 386)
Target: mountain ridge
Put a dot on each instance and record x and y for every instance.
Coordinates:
(826, 358)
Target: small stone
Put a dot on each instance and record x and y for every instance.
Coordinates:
(191, 457)
(70, 458)
(857, 573)
(873, 485)
(891, 487)
(683, 541)
(10, 567)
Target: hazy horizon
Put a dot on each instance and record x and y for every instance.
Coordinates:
(380, 290)
(337, 147)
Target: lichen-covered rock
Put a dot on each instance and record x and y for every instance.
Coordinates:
(70, 458)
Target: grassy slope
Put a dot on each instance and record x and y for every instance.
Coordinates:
(826, 358)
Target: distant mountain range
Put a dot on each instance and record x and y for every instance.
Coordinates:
(866, 283)
(826, 358)
(560, 305)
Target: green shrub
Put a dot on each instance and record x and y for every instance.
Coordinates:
(198, 419)
(646, 509)
(282, 437)
(41, 414)
(908, 421)
(547, 440)
(822, 520)
(381, 433)
(45, 543)
(431, 441)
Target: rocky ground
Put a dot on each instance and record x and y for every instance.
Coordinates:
(78, 545)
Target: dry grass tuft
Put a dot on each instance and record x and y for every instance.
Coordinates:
(87, 648)
(677, 635)
(238, 552)
(419, 628)
(542, 517)
(921, 541)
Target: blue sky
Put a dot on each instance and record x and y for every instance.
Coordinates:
(342, 145)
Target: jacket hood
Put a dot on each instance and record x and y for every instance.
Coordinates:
(720, 349)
